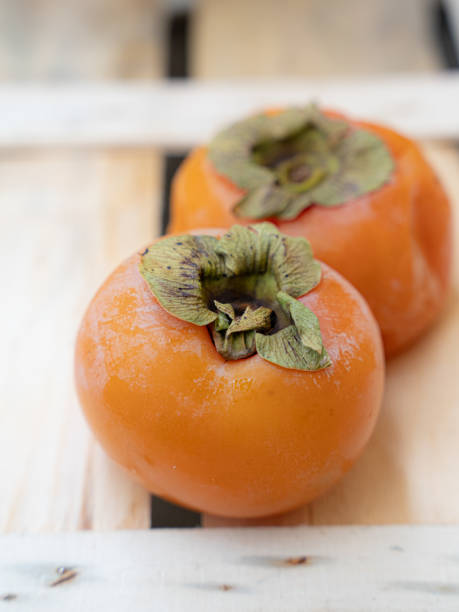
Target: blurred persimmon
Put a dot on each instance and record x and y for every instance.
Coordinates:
(362, 194)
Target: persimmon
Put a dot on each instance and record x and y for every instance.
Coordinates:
(236, 374)
(363, 195)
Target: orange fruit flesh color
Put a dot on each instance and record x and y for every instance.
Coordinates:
(393, 244)
(241, 438)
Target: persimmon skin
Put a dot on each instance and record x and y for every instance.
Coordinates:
(393, 244)
(240, 438)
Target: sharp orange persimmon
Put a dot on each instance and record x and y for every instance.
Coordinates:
(233, 436)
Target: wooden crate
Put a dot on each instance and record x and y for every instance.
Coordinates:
(81, 168)
(53, 477)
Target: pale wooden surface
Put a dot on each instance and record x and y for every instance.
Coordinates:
(267, 38)
(66, 219)
(377, 569)
(45, 40)
(181, 114)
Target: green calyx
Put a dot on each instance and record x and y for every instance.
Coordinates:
(288, 161)
(243, 287)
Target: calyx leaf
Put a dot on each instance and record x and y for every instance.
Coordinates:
(244, 287)
(173, 268)
(237, 335)
(300, 342)
(306, 342)
(286, 349)
(288, 161)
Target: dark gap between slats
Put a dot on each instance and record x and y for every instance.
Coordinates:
(177, 46)
(171, 163)
(445, 35)
(163, 513)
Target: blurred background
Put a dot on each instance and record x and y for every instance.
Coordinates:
(69, 214)
(146, 39)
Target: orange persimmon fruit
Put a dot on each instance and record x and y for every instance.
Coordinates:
(363, 195)
(235, 374)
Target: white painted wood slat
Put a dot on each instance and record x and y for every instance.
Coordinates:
(353, 569)
(182, 114)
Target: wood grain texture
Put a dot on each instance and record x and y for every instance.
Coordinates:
(81, 39)
(376, 569)
(66, 221)
(267, 38)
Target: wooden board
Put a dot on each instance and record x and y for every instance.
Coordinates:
(178, 115)
(310, 38)
(51, 41)
(392, 569)
(65, 221)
